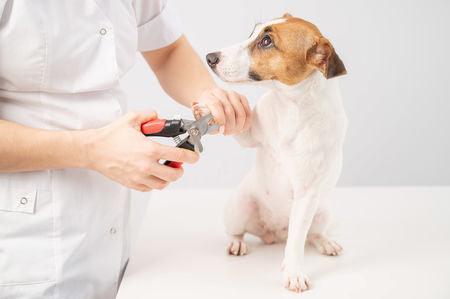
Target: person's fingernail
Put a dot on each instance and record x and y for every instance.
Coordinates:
(222, 129)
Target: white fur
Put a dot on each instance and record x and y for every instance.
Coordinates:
(259, 27)
(299, 132)
(234, 64)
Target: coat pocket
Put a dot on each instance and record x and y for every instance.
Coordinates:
(26, 235)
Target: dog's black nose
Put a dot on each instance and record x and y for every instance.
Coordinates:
(213, 59)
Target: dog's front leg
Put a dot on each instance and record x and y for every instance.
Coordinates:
(302, 212)
(247, 139)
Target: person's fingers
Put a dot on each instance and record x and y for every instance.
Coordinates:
(216, 108)
(159, 178)
(137, 118)
(230, 109)
(154, 183)
(146, 115)
(230, 118)
(239, 110)
(166, 173)
(248, 112)
(172, 153)
(199, 110)
(157, 183)
(141, 187)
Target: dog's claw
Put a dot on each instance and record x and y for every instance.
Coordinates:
(325, 245)
(295, 281)
(298, 284)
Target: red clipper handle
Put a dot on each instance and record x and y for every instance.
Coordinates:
(173, 164)
(160, 127)
(153, 126)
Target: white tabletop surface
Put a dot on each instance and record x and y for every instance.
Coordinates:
(396, 245)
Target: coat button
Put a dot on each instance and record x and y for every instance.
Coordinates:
(103, 31)
(113, 230)
(23, 200)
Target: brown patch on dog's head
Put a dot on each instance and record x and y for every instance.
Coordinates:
(292, 50)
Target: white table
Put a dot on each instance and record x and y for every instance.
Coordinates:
(396, 245)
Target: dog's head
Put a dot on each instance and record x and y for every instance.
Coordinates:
(287, 49)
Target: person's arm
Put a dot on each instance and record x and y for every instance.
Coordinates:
(119, 151)
(25, 149)
(185, 78)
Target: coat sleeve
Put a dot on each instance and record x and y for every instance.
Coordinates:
(4, 8)
(157, 22)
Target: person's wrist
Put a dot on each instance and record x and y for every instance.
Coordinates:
(201, 95)
(84, 145)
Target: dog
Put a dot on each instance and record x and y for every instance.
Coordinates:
(298, 129)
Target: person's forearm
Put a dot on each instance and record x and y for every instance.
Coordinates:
(119, 151)
(180, 71)
(25, 149)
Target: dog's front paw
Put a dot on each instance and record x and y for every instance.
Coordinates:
(295, 280)
(238, 247)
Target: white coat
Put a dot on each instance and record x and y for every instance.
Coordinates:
(65, 233)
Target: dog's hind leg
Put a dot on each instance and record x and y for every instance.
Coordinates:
(317, 235)
(237, 245)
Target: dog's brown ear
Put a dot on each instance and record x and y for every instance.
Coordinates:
(287, 15)
(323, 57)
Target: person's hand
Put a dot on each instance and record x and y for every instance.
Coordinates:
(230, 109)
(122, 153)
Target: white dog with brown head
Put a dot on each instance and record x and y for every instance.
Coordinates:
(298, 128)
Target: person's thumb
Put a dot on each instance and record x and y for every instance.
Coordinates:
(141, 116)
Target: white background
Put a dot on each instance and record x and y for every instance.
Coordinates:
(396, 93)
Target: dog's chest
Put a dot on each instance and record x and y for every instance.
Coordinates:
(289, 124)
(290, 127)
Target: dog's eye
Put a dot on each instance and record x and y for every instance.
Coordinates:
(265, 42)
